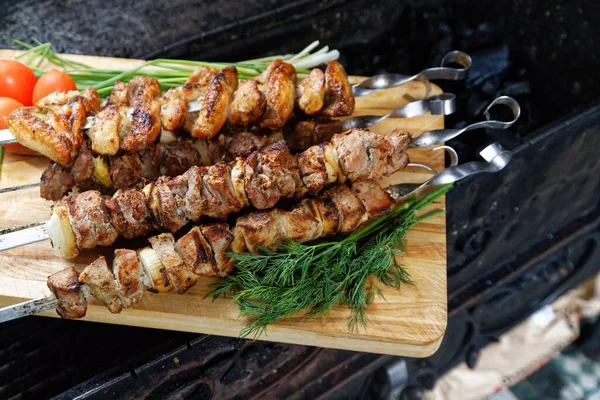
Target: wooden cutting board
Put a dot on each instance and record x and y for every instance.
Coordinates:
(410, 322)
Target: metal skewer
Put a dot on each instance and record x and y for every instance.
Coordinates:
(23, 235)
(6, 137)
(386, 81)
(496, 158)
(441, 104)
(435, 137)
(368, 86)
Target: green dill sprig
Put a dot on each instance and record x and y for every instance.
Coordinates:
(169, 73)
(313, 278)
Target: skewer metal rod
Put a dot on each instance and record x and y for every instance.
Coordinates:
(7, 138)
(28, 308)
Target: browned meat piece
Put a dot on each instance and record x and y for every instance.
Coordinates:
(125, 170)
(280, 81)
(57, 134)
(173, 112)
(213, 112)
(231, 144)
(195, 203)
(330, 215)
(399, 158)
(151, 159)
(352, 154)
(339, 99)
(89, 98)
(129, 213)
(301, 224)
(248, 104)
(260, 229)
(129, 275)
(242, 144)
(218, 192)
(179, 274)
(375, 199)
(104, 132)
(220, 238)
(71, 298)
(91, 101)
(300, 135)
(90, 220)
(82, 168)
(365, 155)
(118, 96)
(312, 169)
(271, 174)
(167, 202)
(311, 92)
(351, 209)
(102, 284)
(202, 75)
(143, 95)
(56, 182)
(197, 254)
(178, 157)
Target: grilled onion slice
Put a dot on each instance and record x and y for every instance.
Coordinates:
(61, 234)
(102, 172)
(156, 279)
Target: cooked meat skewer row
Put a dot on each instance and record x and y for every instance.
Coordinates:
(203, 251)
(133, 115)
(87, 220)
(132, 169)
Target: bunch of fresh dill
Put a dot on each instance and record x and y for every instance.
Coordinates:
(312, 278)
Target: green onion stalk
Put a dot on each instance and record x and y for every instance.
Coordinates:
(41, 57)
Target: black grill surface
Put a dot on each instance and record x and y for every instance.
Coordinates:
(515, 241)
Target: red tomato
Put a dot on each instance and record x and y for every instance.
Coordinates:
(16, 81)
(7, 105)
(52, 81)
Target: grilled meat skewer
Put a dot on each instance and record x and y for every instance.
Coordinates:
(132, 169)
(203, 251)
(260, 180)
(132, 117)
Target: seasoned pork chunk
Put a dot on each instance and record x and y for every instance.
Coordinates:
(129, 275)
(271, 174)
(219, 237)
(90, 220)
(143, 95)
(71, 298)
(102, 284)
(129, 213)
(279, 82)
(56, 133)
(197, 253)
(179, 274)
(56, 182)
(339, 99)
(311, 92)
(248, 104)
(215, 104)
(375, 199)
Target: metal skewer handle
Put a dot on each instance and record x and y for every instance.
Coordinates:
(386, 81)
(441, 104)
(432, 138)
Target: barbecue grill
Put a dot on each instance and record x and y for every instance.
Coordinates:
(516, 240)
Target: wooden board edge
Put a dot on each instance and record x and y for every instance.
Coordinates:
(275, 333)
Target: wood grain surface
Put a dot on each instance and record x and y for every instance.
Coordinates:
(409, 322)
